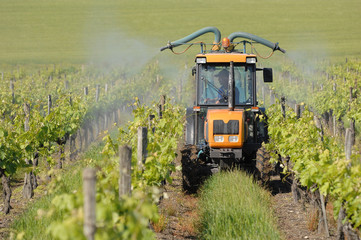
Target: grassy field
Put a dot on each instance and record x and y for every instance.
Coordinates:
(64, 31)
(232, 206)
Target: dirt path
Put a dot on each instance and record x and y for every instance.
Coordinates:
(179, 211)
(295, 220)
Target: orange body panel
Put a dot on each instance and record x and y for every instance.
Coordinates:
(225, 115)
(225, 57)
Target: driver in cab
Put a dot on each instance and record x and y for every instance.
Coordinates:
(221, 93)
(223, 76)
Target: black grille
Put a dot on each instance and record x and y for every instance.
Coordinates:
(219, 127)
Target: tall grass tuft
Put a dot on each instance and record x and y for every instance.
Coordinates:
(232, 206)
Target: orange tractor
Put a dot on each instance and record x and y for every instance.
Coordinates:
(225, 127)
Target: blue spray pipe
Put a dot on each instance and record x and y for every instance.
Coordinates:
(217, 37)
(273, 46)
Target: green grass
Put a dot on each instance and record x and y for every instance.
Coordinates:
(232, 206)
(34, 226)
(65, 31)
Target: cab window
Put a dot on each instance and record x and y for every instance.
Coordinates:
(213, 84)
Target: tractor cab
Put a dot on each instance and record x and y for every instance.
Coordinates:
(212, 78)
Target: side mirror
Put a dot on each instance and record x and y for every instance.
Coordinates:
(267, 75)
(193, 70)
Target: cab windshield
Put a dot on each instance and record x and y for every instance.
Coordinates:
(213, 84)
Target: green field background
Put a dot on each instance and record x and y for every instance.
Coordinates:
(65, 31)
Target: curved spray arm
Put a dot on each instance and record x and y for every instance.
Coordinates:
(273, 46)
(217, 37)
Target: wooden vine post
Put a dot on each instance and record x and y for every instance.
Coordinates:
(142, 146)
(86, 92)
(125, 178)
(89, 191)
(49, 104)
(12, 88)
(298, 111)
(162, 101)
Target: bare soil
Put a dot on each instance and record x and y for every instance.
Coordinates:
(180, 213)
(296, 220)
(178, 209)
(18, 204)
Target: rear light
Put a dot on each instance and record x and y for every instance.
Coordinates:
(218, 138)
(255, 109)
(233, 139)
(196, 108)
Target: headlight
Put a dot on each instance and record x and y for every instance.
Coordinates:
(201, 60)
(233, 139)
(251, 60)
(218, 138)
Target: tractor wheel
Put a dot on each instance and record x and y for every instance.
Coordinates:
(194, 171)
(263, 165)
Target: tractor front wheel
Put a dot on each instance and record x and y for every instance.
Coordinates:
(194, 170)
(263, 165)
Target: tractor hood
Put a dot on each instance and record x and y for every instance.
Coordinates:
(224, 128)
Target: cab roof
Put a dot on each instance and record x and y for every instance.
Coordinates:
(217, 57)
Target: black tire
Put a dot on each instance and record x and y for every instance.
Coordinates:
(264, 168)
(194, 171)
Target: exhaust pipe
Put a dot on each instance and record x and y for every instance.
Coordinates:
(231, 86)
